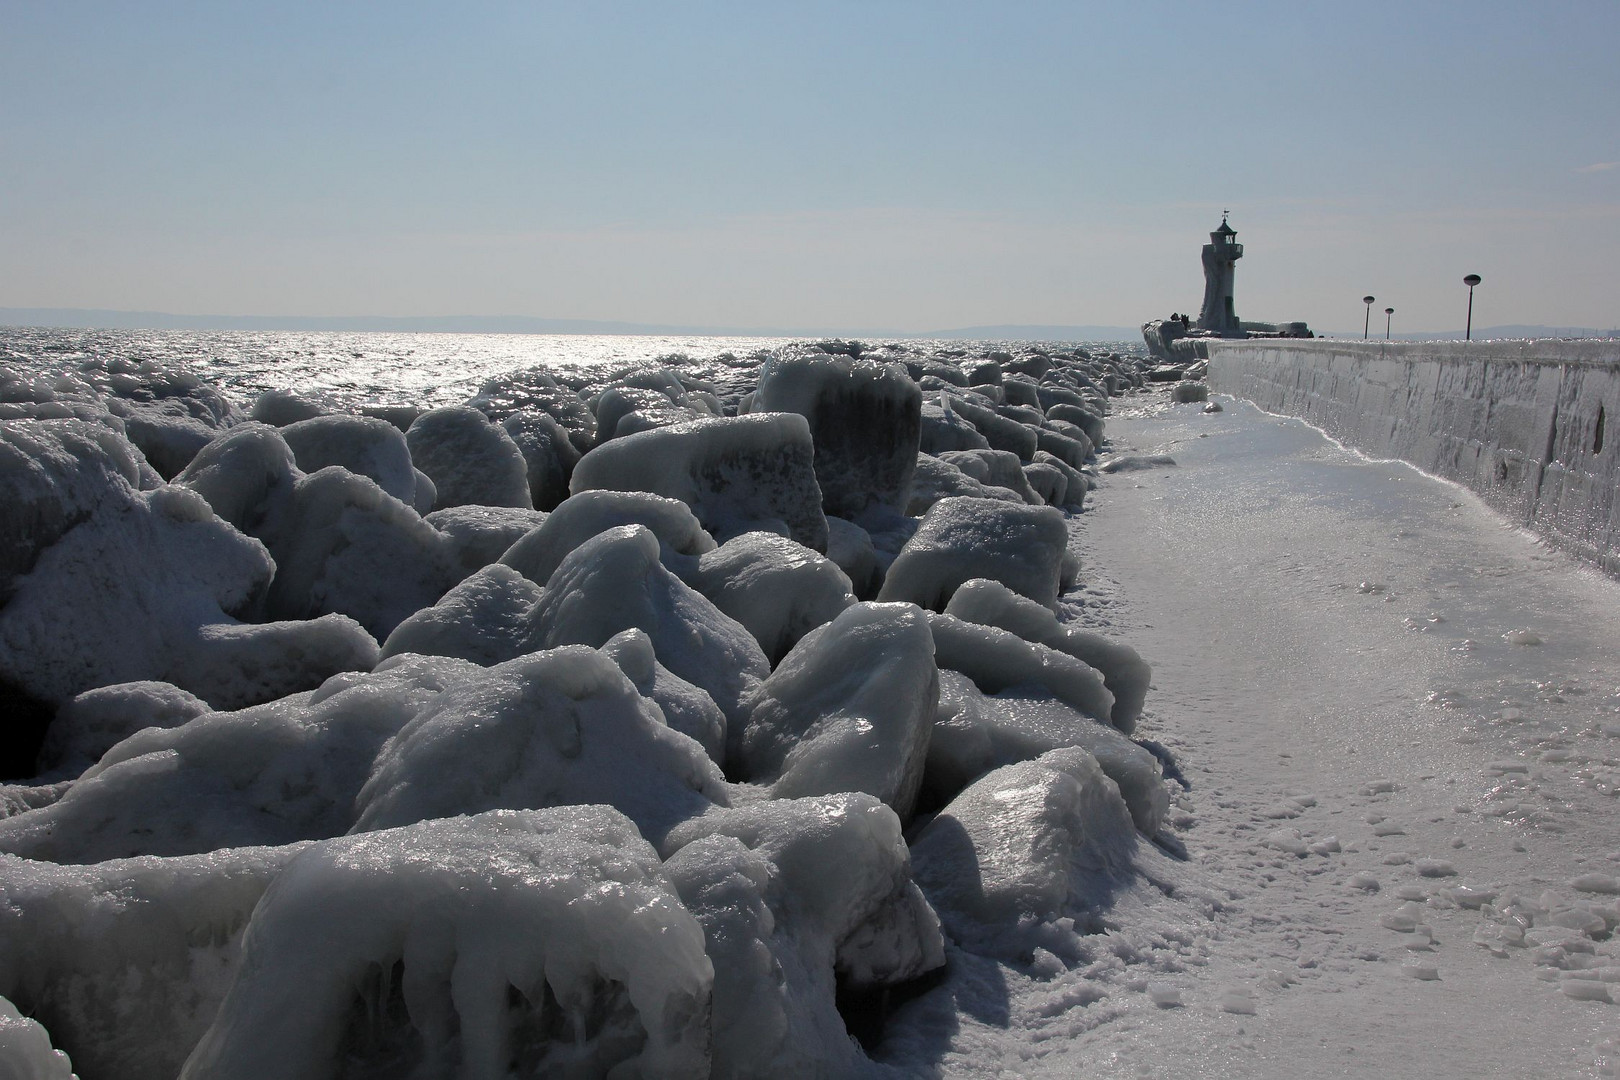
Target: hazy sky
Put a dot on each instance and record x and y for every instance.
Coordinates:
(881, 163)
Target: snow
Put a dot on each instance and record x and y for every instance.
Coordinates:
(541, 943)
(963, 538)
(738, 474)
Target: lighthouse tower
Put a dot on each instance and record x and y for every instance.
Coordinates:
(1220, 257)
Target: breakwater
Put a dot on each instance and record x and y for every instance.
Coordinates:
(1530, 426)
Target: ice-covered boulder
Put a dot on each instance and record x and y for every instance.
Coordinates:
(944, 429)
(1124, 672)
(342, 544)
(778, 589)
(125, 962)
(279, 408)
(851, 549)
(537, 554)
(1072, 448)
(284, 771)
(26, 1052)
(246, 475)
(976, 732)
(997, 659)
(558, 728)
(1076, 483)
(1048, 482)
(615, 582)
(91, 723)
(1023, 848)
(1002, 433)
(1085, 419)
(362, 444)
(738, 474)
(687, 709)
(865, 420)
(548, 454)
(849, 709)
(996, 468)
(488, 618)
(469, 458)
(512, 943)
(963, 538)
(53, 475)
(169, 432)
(480, 535)
(937, 479)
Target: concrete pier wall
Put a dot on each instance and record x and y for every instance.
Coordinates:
(1531, 426)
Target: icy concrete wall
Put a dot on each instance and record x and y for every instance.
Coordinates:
(1529, 425)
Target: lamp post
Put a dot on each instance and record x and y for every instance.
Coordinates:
(1389, 313)
(1471, 280)
(1367, 322)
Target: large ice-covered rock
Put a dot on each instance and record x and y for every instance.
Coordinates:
(1124, 672)
(55, 474)
(963, 538)
(125, 962)
(849, 709)
(944, 429)
(865, 420)
(1023, 848)
(91, 723)
(851, 549)
(469, 459)
(342, 544)
(284, 771)
(488, 618)
(148, 591)
(1001, 432)
(777, 588)
(688, 709)
(246, 475)
(738, 474)
(362, 444)
(938, 479)
(997, 659)
(976, 732)
(480, 535)
(548, 454)
(615, 582)
(541, 943)
(557, 728)
(282, 407)
(538, 553)
(996, 468)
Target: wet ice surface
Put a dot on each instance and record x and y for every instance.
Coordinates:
(1399, 717)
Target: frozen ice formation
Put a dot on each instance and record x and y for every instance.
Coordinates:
(964, 538)
(511, 943)
(738, 474)
(673, 657)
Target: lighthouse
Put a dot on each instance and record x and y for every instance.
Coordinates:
(1220, 258)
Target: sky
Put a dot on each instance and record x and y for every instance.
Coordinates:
(884, 163)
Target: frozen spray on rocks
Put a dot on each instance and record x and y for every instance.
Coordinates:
(674, 719)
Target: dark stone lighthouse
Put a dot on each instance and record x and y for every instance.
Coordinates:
(1220, 258)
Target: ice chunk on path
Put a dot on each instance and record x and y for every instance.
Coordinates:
(541, 942)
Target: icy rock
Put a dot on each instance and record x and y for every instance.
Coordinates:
(1071, 447)
(25, 1049)
(147, 592)
(469, 459)
(1189, 390)
(999, 431)
(53, 475)
(1125, 674)
(962, 538)
(1085, 419)
(91, 723)
(279, 772)
(850, 548)
(548, 454)
(1136, 463)
(488, 618)
(615, 582)
(1605, 884)
(558, 728)
(942, 429)
(865, 421)
(618, 402)
(364, 445)
(281, 408)
(975, 733)
(996, 468)
(480, 535)
(1048, 483)
(126, 961)
(344, 545)
(738, 474)
(778, 589)
(936, 479)
(169, 432)
(997, 660)
(849, 709)
(512, 943)
(1025, 845)
(686, 708)
(590, 513)
(246, 475)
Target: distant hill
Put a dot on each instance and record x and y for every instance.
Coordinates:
(98, 319)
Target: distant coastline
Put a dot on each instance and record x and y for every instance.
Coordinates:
(100, 319)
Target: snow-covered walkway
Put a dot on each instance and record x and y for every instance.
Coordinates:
(1379, 692)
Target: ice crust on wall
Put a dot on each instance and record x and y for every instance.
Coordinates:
(534, 943)
(738, 474)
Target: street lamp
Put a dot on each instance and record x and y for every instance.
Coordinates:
(1471, 280)
(1389, 313)
(1365, 323)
